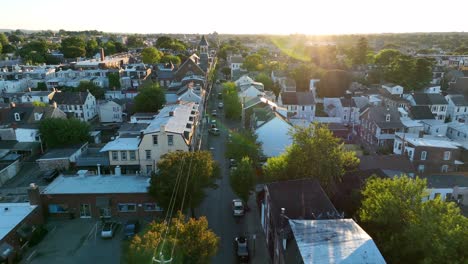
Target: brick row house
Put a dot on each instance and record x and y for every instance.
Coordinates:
(379, 125)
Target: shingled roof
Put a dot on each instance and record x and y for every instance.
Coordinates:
(70, 98)
(420, 112)
(297, 98)
(429, 99)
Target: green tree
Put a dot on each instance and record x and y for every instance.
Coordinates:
(193, 171)
(386, 56)
(110, 48)
(170, 59)
(242, 179)
(3, 39)
(34, 51)
(39, 104)
(150, 98)
(1, 48)
(95, 90)
(361, 50)
(266, 80)
(253, 62)
(151, 55)
(226, 71)
(315, 153)
(422, 74)
(92, 47)
(13, 38)
(334, 83)
(303, 73)
(232, 104)
(114, 80)
(192, 240)
(56, 132)
(243, 144)
(409, 230)
(41, 86)
(73, 47)
(135, 41)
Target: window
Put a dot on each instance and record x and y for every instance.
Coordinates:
(448, 197)
(155, 140)
(17, 117)
(446, 155)
(115, 155)
(148, 154)
(436, 195)
(132, 155)
(130, 207)
(444, 168)
(152, 207)
(442, 108)
(434, 109)
(421, 168)
(58, 208)
(123, 155)
(170, 140)
(303, 108)
(387, 118)
(423, 155)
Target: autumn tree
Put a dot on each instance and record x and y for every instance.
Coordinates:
(150, 98)
(186, 241)
(56, 132)
(408, 229)
(315, 153)
(151, 55)
(193, 171)
(242, 179)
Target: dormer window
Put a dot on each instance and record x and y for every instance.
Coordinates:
(37, 116)
(387, 118)
(17, 117)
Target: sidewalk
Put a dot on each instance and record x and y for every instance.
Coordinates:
(258, 247)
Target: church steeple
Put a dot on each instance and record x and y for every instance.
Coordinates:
(203, 45)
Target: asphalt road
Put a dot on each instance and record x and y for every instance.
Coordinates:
(217, 204)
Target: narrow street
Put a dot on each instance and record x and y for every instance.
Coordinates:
(217, 204)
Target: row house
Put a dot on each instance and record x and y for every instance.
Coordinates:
(429, 154)
(111, 111)
(81, 105)
(37, 96)
(299, 105)
(457, 109)
(123, 153)
(344, 108)
(393, 89)
(379, 125)
(457, 131)
(435, 102)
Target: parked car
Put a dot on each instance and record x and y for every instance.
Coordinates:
(242, 249)
(238, 207)
(131, 228)
(50, 175)
(213, 123)
(232, 163)
(220, 105)
(214, 131)
(108, 229)
(220, 96)
(214, 113)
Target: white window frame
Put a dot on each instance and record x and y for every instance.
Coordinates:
(423, 155)
(17, 117)
(447, 155)
(444, 168)
(148, 157)
(155, 137)
(123, 155)
(170, 140)
(115, 155)
(132, 155)
(124, 207)
(152, 207)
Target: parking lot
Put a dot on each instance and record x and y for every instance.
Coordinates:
(76, 241)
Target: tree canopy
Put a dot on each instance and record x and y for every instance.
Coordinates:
(192, 240)
(56, 132)
(165, 42)
(242, 179)
(114, 80)
(232, 104)
(151, 55)
(73, 47)
(253, 62)
(408, 229)
(243, 144)
(315, 153)
(266, 80)
(170, 59)
(303, 73)
(198, 169)
(334, 83)
(150, 98)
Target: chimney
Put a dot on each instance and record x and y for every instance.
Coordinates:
(118, 171)
(98, 169)
(29, 89)
(34, 195)
(102, 54)
(421, 134)
(12, 105)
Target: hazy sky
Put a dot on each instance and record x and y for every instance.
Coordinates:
(237, 16)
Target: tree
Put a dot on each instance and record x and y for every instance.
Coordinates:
(226, 71)
(170, 59)
(56, 132)
(315, 153)
(114, 80)
(386, 56)
(151, 55)
(34, 52)
(361, 49)
(3, 39)
(422, 73)
(73, 47)
(303, 73)
(110, 47)
(242, 179)
(151, 98)
(13, 38)
(95, 90)
(92, 47)
(41, 86)
(135, 41)
(409, 230)
(253, 62)
(266, 80)
(232, 104)
(196, 170)
(334, 83)
(170, 43)
(192, 240)
(243, 144)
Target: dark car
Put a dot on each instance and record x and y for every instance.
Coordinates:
(50, 175)
(242, 249)
(131, 228)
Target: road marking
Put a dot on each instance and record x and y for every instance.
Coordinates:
(32, 254)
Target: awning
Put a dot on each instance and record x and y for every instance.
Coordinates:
(458, 162)
(102, 202)
(5, 250)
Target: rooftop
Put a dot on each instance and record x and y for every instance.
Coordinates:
(429, 99)
(297, 98)
(11, 214)
(447, 181)
(82, 184)
(458, 99)
(387, 162)
(173, 118)
(122, 143)
(334, 241)
(60, 153)
(420, 112)
(428, 141)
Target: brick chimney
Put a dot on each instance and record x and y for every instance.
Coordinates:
(34, 195)
(102, 54)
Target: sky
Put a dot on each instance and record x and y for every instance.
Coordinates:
(237, 17)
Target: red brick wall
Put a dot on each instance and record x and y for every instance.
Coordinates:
(75, 200)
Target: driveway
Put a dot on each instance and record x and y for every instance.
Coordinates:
(75, 241)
